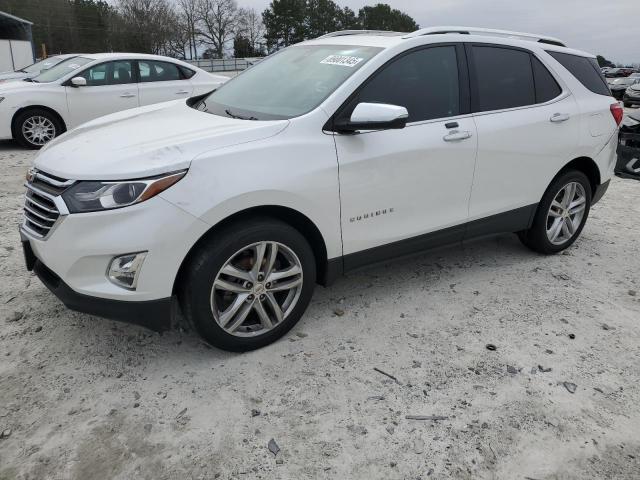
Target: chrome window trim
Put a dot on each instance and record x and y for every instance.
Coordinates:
(565, 94)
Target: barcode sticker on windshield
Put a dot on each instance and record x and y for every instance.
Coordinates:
(342, 60)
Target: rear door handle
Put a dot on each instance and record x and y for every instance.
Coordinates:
(182, 92)
(127, 95)
(560, 117)
(456, 136)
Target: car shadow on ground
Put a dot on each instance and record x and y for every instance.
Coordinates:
(8, 145)
(416, 274)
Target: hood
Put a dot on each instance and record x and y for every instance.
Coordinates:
(18, 85)
(147, 141)
(5, 76)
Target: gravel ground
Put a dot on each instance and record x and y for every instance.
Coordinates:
(86, 398)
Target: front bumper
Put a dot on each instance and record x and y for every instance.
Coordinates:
(5, 121)
(631, 99)
(73, 260)
(80, 248)
(152, 314)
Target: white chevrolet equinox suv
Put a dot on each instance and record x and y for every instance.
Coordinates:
(334, 153)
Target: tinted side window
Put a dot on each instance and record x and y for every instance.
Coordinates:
(424, 81)
(109, 73)
(546, 86)
(504, 78)
(585, 69)
(95, 76)
(152, 71)
(120, 72)
(187, 72)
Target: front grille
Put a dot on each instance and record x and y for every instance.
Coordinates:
(40, 209)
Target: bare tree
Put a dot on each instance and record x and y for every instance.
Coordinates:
(250, 26)
(176, 43)
(218, 20)
(191, 18)
(147, 24)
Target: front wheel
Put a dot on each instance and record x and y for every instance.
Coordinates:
(36, 127)
(249, 284)
(561, 215)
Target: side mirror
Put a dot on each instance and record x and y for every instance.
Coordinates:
(374, 116)
(79, 82)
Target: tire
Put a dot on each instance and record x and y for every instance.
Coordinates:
(238, 245)
(538, 238)
(32, 118)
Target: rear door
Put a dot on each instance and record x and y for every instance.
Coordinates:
(528, 129)
(111, 87)
(162, 81)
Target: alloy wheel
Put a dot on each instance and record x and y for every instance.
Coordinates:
(38, 130)
(566, 213)
(256, 289)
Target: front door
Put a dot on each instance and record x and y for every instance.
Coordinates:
(405, 190)
(111, 87)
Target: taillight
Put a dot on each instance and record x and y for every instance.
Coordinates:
(618, 112)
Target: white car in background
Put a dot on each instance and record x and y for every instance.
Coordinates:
(35, 69)
(90, 86)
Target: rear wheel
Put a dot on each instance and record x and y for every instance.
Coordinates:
(249, 285)
(561, 215)
(36, 127)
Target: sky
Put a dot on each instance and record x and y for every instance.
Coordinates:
(603, 27)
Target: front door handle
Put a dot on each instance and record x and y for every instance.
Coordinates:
(456, 136)
(182, 92)
(127, 95)
(560, 117)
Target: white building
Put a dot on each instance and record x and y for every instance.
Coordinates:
(16, 43)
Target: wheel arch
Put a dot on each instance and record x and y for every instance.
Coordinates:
(36, 107)
(325, 273)
(585, 165)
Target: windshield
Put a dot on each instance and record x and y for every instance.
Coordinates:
(45, 64)
(61, 69)
(288, 84)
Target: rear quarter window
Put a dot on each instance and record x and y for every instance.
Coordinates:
(546, 86)
(186, 72)
(585, 69)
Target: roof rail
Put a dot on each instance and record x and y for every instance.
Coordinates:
(343, 33)
(486, 31)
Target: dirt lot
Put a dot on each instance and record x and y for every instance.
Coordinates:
(85, 398)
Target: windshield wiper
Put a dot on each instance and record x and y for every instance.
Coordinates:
(228, 112)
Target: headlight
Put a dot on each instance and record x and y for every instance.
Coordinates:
(90, 196)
